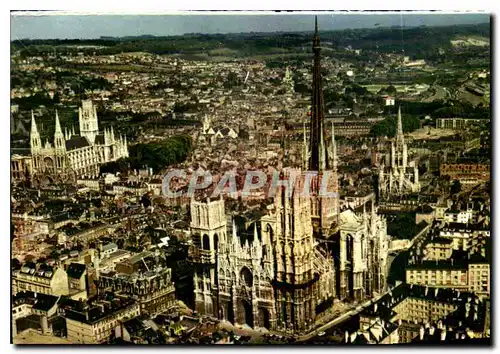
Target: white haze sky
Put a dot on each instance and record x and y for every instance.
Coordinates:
(95, 26)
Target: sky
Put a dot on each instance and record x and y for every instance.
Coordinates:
(95, 26)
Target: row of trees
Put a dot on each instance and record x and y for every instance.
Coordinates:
(388, 126)
(34, 101)
(155, 155)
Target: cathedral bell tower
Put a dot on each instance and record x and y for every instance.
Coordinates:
(208, 226)
(87, 117)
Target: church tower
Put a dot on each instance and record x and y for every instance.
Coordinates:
(35, 143)
(87, 116)
(208, 226)
(59, 145)
(295, 281)
(400, 148)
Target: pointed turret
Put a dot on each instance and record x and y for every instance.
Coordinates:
(34, 129)
(373, 216)
(59, 143)
(234, 229)
(399, 134)
(393, 155)
(58, 124)
(305, 150)
(35, 141)
(105, 132)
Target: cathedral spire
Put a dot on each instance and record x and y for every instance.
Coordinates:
(35, 141)
(34, 129)
(58, 124)
(399, 133)
(319, 157)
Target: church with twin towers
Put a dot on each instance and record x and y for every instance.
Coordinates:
(73, 155)
(281, 271)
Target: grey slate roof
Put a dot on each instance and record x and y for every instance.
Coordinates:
(76, 142)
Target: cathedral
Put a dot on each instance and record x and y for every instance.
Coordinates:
(72, 155)
(401, 177)
(282, 270)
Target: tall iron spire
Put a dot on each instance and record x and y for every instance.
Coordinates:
(399, 132)
(319, 157)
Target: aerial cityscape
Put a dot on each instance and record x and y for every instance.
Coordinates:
(309, 179)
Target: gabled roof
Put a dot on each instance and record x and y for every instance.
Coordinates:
(109, 246)
(99, 139)
(76, 270)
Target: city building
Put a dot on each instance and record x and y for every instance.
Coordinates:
(71, 155)
(401, 177)
(96, 324)
(40, 278)
(144, 277)
(466, 173)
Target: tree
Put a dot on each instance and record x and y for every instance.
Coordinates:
(387, 127)
(456, 187)
(391, 90)
(232, 81)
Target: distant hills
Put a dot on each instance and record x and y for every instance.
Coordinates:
(413, 41)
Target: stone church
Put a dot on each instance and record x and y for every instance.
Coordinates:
(301, 257)
(401, 176)
(72, 155)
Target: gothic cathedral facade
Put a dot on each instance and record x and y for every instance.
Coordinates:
(73, 155)
(286, 275)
